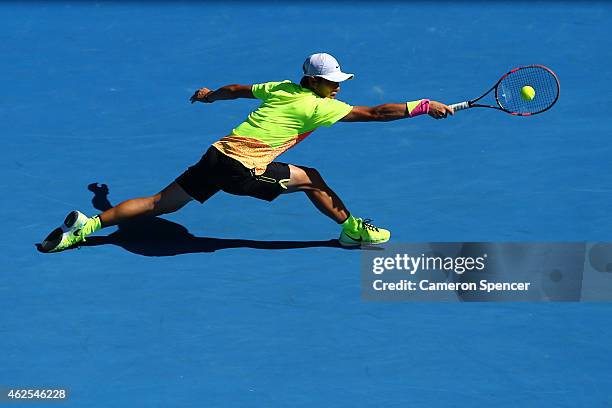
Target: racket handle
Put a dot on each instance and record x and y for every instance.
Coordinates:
(459, 106)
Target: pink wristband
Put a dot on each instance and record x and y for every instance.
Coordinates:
(416, 108)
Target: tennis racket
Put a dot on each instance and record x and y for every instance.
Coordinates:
(507, 92)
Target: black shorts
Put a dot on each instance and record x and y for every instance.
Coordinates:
(215, 171)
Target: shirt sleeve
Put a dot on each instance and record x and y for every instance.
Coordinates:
(264, 90)
(329, 111)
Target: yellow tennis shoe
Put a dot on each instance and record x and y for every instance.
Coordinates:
(75, 228)
(356, 231)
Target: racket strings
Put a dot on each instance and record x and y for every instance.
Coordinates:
(543, 82)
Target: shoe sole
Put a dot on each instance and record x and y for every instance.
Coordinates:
(55, 237)
(71, 219)
(361, 243)
(52, 240)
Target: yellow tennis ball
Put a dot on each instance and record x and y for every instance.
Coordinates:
(527, 93)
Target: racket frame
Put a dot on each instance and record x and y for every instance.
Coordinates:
(472, 103)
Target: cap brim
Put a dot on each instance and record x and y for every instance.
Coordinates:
(337, 76)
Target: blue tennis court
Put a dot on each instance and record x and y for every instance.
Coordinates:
(240, 302)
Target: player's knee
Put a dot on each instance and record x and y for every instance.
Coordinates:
(154, 203)
(306, 178)
(314, 175)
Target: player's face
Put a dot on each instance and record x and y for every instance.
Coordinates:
(325, 88)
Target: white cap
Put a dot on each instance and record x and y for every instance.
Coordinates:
(325, 66)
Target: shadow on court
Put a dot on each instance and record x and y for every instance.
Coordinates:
(154, 236)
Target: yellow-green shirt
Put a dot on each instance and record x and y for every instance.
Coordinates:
(287, 115)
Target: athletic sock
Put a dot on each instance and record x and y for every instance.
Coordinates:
(350, 224)
(92, 225)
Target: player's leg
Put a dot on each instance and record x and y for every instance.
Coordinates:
(170, 199)
(355, 231)
(195, 183)
(77, 225)
(309, 181)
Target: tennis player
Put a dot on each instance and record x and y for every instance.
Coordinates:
(242, 163)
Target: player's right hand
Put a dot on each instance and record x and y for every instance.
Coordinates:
(200, 96)
(439, 110)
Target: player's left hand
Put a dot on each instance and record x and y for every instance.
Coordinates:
(201, 96)
(439, 110)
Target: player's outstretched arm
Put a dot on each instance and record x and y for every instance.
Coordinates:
(394, 111)
(235, 91)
